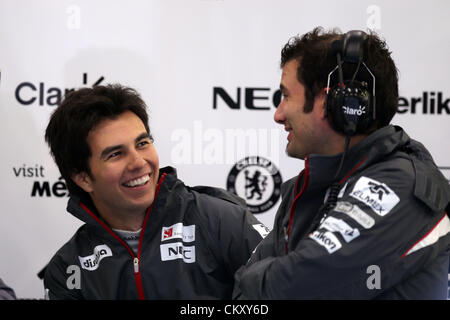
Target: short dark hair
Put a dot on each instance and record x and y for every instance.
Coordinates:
(313, 53)
(77, 115)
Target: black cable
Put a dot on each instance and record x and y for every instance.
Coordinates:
(333, 189)
(340, 72)
(347, 144)
(356, 72)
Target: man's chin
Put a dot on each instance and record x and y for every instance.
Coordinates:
(137, 208)
(290, 152)
(140, 203)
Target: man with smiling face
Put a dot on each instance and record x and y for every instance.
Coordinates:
(367, 218)
(124, 176)
(146, 235)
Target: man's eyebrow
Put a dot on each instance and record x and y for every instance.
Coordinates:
(110, 149)
(144, 135)
(282, 88)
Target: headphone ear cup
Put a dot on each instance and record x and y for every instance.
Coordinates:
(335, 116)
(349, 108)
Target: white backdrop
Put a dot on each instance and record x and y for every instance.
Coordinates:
(175, 52)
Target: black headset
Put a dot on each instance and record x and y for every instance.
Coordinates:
(350, 103)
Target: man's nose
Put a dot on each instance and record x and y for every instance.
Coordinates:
(278, 116)
(136, 161)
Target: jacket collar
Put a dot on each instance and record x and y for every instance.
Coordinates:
(321, 169)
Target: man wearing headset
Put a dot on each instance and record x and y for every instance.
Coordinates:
(368, 216)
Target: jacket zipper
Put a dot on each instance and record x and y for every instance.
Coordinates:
(136, 259)
(138, 279)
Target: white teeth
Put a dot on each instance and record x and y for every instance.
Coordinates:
(137, 182)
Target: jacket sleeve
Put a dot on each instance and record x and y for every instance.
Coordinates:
(363, 247)
(234, 231)
(58, 280)
(238, 234)
(243, 239)
(263, 250)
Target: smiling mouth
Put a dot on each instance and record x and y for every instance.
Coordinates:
(137, 182)
(289, 131)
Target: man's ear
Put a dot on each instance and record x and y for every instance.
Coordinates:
(83, 180)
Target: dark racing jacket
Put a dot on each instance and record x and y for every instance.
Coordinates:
(191, 243)
(388, 236)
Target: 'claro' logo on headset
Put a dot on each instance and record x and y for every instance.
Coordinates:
(354, 112)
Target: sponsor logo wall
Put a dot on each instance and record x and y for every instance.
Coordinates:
(209, 71)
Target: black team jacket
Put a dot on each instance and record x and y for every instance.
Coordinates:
(387, 237)
(191, 243)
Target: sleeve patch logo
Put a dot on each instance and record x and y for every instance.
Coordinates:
(354, 212)
(327, 240)
(337, 225)
(378, 196)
